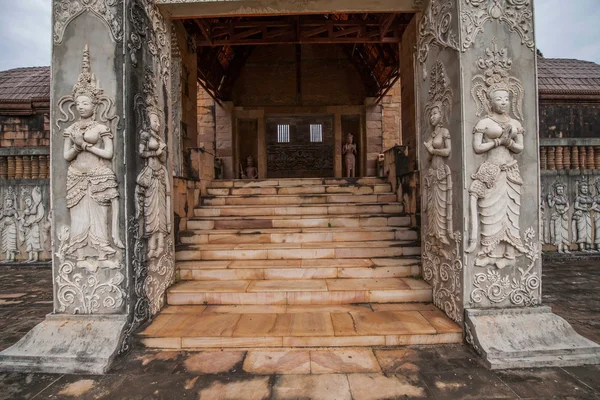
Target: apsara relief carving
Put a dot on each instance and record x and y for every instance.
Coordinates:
(32, 223)
(559, 217)
(442, 263)
(66, 11)
(582, 215)
(495, 192)
(9, 221)
(516, 14)
(435, 28)
(91, 244)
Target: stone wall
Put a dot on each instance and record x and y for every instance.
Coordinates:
(569, 119)
(25, 130)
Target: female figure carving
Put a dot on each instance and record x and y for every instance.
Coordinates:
(559, 220)
(349, 152)
(596, 208)
(495, 193)
(91, 182)
(153, 191)
(438, 179)
(33, 214)
(582, 217)
(8, 223)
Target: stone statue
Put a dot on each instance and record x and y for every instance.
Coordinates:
(582, 216)
(31, 224)
(495, 193)
(218, 168)
(349, 152)
(438, 179)
(153, 190)
(91, 183)
(251, 170)
(8, 223)
(559, 219)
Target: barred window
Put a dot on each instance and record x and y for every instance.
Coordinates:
(316, 133)
(283, 133)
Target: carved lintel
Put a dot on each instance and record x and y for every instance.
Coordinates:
(65, 11)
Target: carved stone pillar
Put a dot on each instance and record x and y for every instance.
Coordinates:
(559, 157)
(114, 56)
(10, 168)
(27, 167)
(574, 157)
(481, 188)
(590, 161)
(35, 167)
(543, 158)
(3, 168)
(567, 157)
(597, 158)
(552, 158)
(582, 158)
(18, 167)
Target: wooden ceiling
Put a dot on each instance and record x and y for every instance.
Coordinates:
(370, 41)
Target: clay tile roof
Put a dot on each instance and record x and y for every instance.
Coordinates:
(566, 76)
(25, 85)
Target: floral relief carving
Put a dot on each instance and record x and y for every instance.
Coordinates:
(66, 11)
(90, 249)
(149, 26)
(435, 28)
(522, 290)
(495, 191)
(516, 14)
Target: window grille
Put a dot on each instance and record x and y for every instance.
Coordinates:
(316, 133)
(283, 133)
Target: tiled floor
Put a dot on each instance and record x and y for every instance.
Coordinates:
(438, 372)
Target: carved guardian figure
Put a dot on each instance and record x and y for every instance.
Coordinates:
(495, 193)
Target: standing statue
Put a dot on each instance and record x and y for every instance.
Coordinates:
(31, 221)
(582, 216)
(251, 170)
(153, 190)
(438, 179)
(559, 219)
(495, 193)
(8, 223)
(349, 152)
(91, 183)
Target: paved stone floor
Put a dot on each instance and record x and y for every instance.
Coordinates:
(440, 372)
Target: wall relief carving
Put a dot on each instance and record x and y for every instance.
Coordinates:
(582, 215)
(442, 265)
(435, 28)
(91, 244)
(149, 26)
(495, 192)
(559, 217)
(66, 11)
(516, 14)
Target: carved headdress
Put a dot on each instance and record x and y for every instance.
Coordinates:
(150, 94)
(87, 84)
(496, 67)
(558, 184)
(582, 181)
(440, 94)
(10, 194)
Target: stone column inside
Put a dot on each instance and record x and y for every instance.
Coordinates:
(478, 151)
(111, 174)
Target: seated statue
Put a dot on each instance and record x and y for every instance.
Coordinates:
(251, 170)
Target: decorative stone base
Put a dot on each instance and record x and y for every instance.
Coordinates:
(67, 344)
(527, 337)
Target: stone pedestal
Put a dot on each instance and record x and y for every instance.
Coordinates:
(479, 162)
(111, 184)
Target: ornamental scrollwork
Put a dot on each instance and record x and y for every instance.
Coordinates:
(520, 291)
(65, 11)
(435, 29)
(516, 14)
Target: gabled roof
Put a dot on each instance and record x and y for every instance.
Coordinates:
(25, 84)
(568, 77)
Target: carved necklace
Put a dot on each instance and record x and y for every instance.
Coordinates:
(84, 125)
(501, 123)
(436, 130)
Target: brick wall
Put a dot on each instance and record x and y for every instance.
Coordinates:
(25, 130)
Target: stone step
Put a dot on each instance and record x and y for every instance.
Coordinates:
(299, 235)
(304, 221)
(314, 209)
(295, 182)
(285, 199)
(288, 251)
(201, 327)
(300, 291)
(298, 190)
(300, 269)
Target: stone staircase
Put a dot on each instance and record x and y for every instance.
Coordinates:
(299, 262)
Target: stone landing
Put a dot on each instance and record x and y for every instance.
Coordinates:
(299, 263)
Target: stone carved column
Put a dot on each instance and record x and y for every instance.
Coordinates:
(582, 158)
(35, 167)
(27, 167)
(590, 160)
(3, 168)
(488, 45)
(102, 292)
(559, 157)
(567, 157)
(543, 158)
(18, 167)
(10, 169)
(574, 157)
(597, 158)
